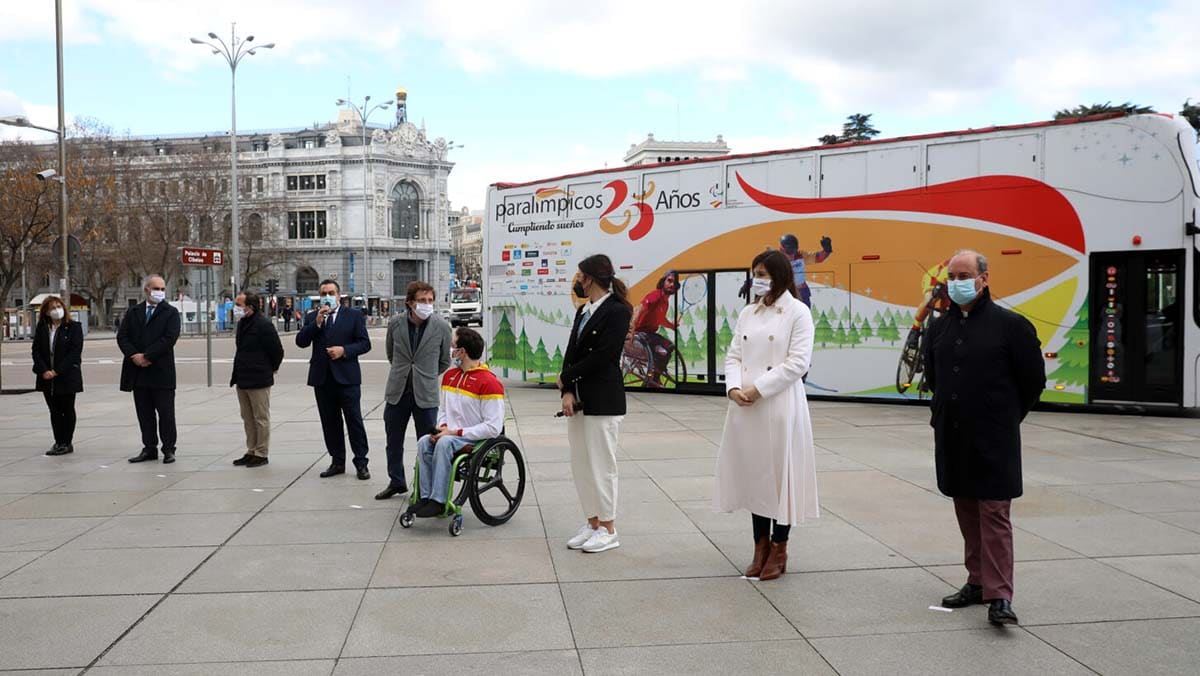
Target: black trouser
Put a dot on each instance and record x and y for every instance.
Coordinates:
(395, 425)
(152, 403)
(337, 402)
(762, 529)
(62, 416)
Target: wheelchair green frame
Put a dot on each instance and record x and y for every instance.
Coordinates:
(463, 473)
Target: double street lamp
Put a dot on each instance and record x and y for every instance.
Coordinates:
(233, 53)
(364, 112)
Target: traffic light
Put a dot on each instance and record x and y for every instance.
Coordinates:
(272, 286)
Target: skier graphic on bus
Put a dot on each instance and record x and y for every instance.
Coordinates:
(789, 244)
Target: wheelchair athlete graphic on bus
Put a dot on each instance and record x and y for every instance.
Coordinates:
(936, 301)
(647, 353)
(789, 244)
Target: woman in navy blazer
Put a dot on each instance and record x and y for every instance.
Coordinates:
(57, 356)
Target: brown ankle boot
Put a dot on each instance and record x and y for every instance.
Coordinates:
(776, 564)
(761, 548)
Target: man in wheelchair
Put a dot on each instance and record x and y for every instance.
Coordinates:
(470, 409)
(648, 317)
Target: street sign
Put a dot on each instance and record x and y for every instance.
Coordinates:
(192, 256)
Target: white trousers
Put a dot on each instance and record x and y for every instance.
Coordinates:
(593, 440)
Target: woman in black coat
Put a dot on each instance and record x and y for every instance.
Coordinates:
(593, 398)
(57, 356)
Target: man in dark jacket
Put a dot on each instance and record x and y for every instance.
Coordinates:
(984, 364)
(147, 339)
(256, 359)
(338, 335)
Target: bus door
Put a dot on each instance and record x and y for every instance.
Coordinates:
(1136, 327)
(705, 312)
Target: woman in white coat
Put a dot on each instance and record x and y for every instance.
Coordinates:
(766, 461)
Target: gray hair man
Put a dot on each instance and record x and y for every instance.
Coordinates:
(147, 339)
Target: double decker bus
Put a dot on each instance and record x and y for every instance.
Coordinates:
(1089, 226)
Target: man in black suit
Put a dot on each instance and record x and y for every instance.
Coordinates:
(338, 335)
(147, 339)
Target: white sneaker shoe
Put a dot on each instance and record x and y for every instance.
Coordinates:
(585, 533)
(601, 541)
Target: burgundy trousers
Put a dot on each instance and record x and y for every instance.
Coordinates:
(988, 536)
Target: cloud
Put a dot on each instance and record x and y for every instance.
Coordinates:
(41, 115)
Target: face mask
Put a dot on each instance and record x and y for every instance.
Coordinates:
(238, 312)
(329, 301)
(577, 289)
(422, 310)
(158, 296)
(455, 357)
(56, 313)
(962, 291)
(761, 286)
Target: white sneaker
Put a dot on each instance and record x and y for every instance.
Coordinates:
(585, 533)
(601, 541)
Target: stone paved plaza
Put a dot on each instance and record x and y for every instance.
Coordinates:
(203, 568)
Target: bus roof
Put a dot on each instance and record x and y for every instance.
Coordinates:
(849, 144)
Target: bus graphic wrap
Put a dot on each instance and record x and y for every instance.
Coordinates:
(869, 228)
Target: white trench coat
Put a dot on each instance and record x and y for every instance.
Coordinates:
(766, 463)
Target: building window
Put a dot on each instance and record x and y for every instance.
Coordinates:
(306, 182)
(306, 225)
(406, 223)
(258, 184)
(259, 146)
(404, 272)
(309, 143)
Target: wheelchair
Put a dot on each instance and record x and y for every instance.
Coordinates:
(485, 470)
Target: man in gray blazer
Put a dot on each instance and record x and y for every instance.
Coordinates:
(418, 348)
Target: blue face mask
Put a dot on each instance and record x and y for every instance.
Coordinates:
(962, 291)
(329, 301)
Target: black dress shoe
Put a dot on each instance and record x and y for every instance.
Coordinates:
(333, 470)
(363, 474)
(256, 461)
(242, 460)
(430, 509)
(1000, 612)
(391, 492)
(144, 456)
(168, 456)
(61, 449)
(969, 595)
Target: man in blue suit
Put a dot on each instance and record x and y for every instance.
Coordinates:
(338, 335)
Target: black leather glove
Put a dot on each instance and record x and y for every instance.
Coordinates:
(827, 244)
(745, 291)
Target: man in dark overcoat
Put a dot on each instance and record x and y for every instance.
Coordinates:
(147, 340)
(984, 364)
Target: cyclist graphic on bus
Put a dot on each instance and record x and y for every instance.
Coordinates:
(936, 301)
(789, 244)
(647, 352)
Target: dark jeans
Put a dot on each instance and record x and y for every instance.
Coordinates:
(335, 402)
(62, 416)
(395, 425)
(155, 403)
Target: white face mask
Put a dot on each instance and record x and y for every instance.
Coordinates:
(238, 312)
(761, 286)
(454, 358)
(158, 296)
(56, 314)
(422, 310)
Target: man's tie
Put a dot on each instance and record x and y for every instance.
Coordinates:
(149, 312)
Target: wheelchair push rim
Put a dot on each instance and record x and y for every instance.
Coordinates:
(496, 481)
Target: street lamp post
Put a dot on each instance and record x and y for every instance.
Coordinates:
(233, 54)
(438, 217)
(363, 113)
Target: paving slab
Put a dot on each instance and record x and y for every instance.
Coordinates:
(1117, 534)
(472, 619)
(174, 530)
(47, 633)
(532, 663)
(643, 557)
(286, 567)
(664, 612)
(457, 562)
(1167, 647)
(43, 534)
(44, 505)
(240, 627)
(1180, 573)
(261, 668)
(972, 651)
(70, 572)
(750, 657)
(211, 501)
(317, 527)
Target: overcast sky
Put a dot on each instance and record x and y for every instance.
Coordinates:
(536, 88)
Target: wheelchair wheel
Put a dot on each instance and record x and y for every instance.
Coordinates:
(406, 519)
(456, 525)
(496, 482)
